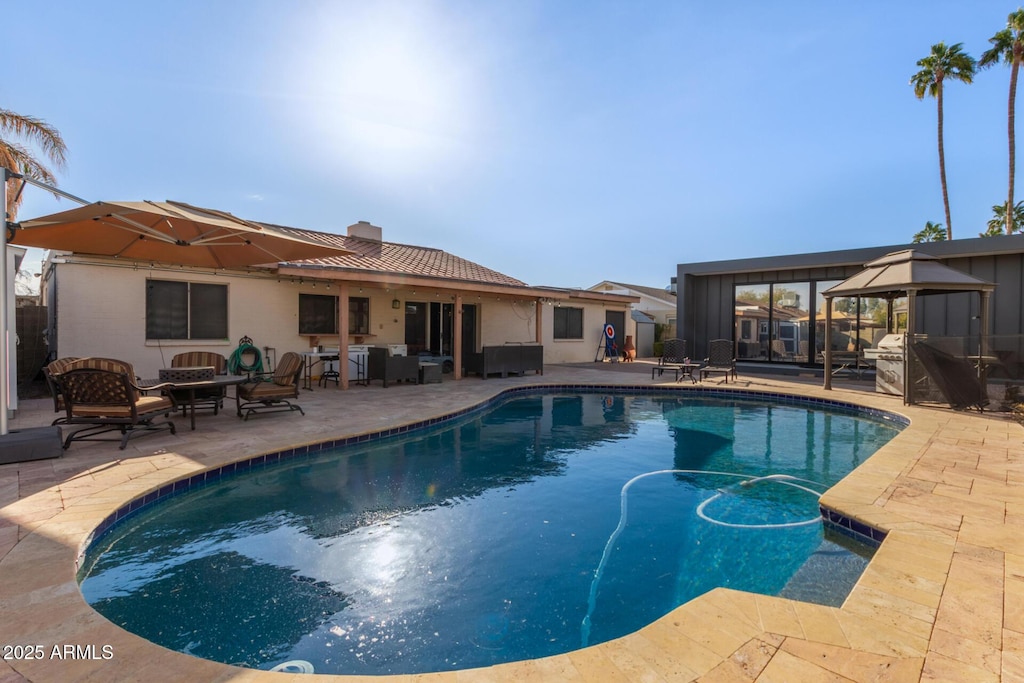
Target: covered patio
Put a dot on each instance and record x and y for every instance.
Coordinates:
(942, 599)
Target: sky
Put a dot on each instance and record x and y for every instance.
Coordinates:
(562, 142)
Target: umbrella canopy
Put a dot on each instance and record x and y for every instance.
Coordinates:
(166, 232)
(907, 271)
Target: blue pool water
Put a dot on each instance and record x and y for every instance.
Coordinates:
(507, 535)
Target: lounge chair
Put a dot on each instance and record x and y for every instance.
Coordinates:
(270, 392)
(721, 358)
(208, 398)
(673, 354)
(779, 350)
(50, 372)
(103, 393)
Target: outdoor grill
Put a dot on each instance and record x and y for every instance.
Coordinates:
(890, 365)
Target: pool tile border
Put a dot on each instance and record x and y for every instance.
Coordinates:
(840, 523)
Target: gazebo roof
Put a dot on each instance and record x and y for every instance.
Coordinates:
(907, 271)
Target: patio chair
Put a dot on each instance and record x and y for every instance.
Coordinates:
(270, 392)
(387, 368)
(673, 354)
(204, 398)
(50, 371)
(103, 393)
(779, 350)
(721, 358)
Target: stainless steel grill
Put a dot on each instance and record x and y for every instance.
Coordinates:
(890, 364)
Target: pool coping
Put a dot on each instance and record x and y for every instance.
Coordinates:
(890, 618)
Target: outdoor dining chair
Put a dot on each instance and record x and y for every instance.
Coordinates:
(212, 397)
(102, 395)
(270, 392)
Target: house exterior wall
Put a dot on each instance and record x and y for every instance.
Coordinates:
(582, 350)
(101, 311)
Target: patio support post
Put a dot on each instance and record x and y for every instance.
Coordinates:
(828, 343)
(457, 337)
(343, 369)
(538, 312)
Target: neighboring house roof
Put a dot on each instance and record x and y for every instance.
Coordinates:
(641, 317)
(652, 292)
(401, 259)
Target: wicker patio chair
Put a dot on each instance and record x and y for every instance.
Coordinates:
(102, 394)
(721, 358)
(204, 398)
(269, 393)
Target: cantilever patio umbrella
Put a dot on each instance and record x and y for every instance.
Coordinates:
(166, 232)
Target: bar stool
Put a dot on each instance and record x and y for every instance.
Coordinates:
(330, 373)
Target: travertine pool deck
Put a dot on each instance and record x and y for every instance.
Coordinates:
(942, 600)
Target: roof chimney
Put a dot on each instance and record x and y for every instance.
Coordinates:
(365, 230)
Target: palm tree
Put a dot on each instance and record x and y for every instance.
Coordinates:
(932, 232)
(943, 62)
(1008, 47)
(16, 157)
(1001, 224)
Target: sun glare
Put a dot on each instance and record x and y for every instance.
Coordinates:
(382, 88)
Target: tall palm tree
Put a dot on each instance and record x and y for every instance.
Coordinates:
(932, 232)
(943, 62)
(20, 159)
(997, 224)
(1008, 47)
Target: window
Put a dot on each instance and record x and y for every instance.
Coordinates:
(186, 310)
(568, 323)
(358, 315)
(318, 314)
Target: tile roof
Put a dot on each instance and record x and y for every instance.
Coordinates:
(399, 259)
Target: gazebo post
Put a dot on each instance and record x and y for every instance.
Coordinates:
(908, 375)
(828, 343)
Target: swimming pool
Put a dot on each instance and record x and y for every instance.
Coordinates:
(509, 534)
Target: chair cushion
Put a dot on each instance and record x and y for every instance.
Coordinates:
(195, 359)
(144, 405)
(285, 374)
(60, 365)
(261, 390)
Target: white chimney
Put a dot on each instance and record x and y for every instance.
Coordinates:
(365, 230)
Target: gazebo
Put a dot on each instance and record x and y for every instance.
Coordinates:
(913, 274)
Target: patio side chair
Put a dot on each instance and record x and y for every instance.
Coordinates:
(270, 392)
(102, 395)
(721, 359)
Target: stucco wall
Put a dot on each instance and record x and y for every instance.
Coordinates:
(101, 312)
(585, 350)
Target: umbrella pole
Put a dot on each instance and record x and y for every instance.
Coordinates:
(5, 373)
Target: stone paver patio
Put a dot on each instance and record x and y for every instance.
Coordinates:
(942, 600)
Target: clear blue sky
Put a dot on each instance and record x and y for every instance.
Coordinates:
(560, 142)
